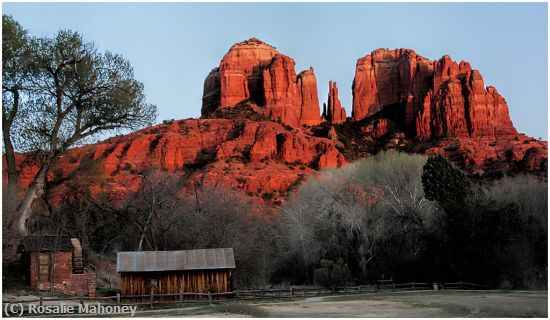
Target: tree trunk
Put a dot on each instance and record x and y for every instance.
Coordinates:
(7, 120)
(35, 191)
(144, 231)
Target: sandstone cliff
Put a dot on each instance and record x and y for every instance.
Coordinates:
(433, 99)
(256, 72)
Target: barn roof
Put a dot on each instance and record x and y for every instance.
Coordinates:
(199, 259)
(45, 243)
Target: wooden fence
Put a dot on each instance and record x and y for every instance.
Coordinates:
(256, 294)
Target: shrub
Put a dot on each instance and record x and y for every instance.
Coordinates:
(332, 274)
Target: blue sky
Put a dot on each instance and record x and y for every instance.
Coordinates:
(173, 46)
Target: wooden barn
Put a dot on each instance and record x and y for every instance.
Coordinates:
(55, 263)
(171, 272)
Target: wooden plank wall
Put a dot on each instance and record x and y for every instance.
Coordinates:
(200, 281)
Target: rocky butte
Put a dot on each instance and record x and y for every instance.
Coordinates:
(256, 72)
(261, 130)
(435, 98)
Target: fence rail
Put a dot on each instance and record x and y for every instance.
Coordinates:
(260, 294)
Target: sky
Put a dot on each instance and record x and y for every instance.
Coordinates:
(173, 46)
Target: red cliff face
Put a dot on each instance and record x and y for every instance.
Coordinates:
(443, 107)
(460, 105)
(336, 114)
(241, 72)
(257, 72)
(389, 77)
(256, 157)
(281, 96)
(434, 98)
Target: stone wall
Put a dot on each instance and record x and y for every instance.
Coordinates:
(62, 277)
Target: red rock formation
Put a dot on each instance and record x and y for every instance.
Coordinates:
(488, 111)
(535, 159)
(462, 106)
(241, 71)
(483, 155)
(254, 156)
(281, 96)
(388, 77)
(336, 114)
(257, 72)
(211, 97)
(309, 107)
(382, 127)
(435, 98)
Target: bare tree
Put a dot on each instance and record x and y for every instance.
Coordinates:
(394, 180)
(354, 211)
(214, 217)
(150, 208)
(528, 192)
(332, 217)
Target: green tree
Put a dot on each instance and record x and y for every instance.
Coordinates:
(16, 75)
(444, 183)
(76, 92)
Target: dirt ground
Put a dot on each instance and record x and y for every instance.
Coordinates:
(352, 308)
(426, 304)
(418, 304)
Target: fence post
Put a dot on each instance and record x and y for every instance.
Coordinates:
(261, 294)
(152, 298)
(305, 292)
(237, 294)
(181, 297)
(118, 298)
(393, 287)
(209, 297)
(331, 290)
(41, 301)
(290, 293)
(360, 290)
(413, 285)
(81, 300)
(460, 285)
